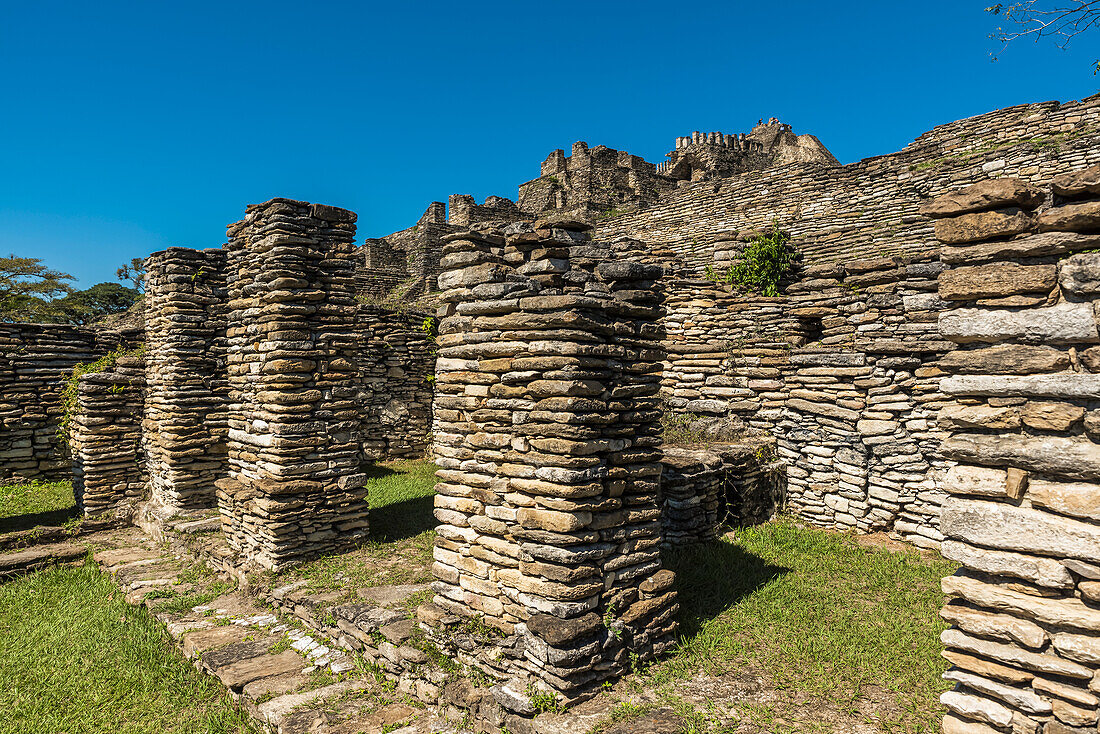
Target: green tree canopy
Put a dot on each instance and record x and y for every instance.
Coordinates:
(27, 288)
(102, 299)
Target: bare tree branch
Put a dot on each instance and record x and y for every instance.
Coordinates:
(1060, 20)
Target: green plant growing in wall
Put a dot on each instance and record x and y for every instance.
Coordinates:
(765, 261)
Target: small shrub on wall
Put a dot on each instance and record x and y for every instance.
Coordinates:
(765, 261)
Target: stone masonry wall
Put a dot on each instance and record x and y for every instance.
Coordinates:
(187, 386)
(396, 369)
(296, 482)
(35, 359)
(105, 438)
(1023, 516)
(547, 441)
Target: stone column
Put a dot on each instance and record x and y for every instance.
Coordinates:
(547, 424)
(296, 482)
(185, 411)
(105, 438)
(1023, 516)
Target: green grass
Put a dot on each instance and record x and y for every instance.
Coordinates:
(74, 657)
(816, 613)
(402, 531)
(23, 506)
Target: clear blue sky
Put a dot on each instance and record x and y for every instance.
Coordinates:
(130, 127)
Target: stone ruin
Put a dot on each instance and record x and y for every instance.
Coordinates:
(926, 370)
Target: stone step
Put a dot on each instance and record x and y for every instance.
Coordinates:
(33, 559)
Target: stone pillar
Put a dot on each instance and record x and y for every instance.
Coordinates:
(185, 412)
(547, 437)
(105, 438)
(296, 482)
(1023, 516)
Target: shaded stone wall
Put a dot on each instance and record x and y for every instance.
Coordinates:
(108, 465)
(296, 483)
(35, 359)
(1023, 518)
(547, 441)
(186, 383)
(720, 485)
(396, 370)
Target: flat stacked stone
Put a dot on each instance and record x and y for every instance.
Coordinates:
(547, 434)
(296, 484)
(35, 360)
(187, 387)
(396, 369)
(105, 438)
(1023, 516)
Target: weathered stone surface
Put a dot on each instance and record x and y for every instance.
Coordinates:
(974, 707)
(1012, 655)
(1064, 385)
(982, 226)
(965, 479)
(1065, 323)
(1050, 416)
(954, 725)
(1068, 612)
(1041, 571)
(1082, 217)
(995, 193)
(1082, 648)
(999, 525)
(1008, 359)
(987, 668)
(1046, 243)
(1079, 499)
(1074, 458)
(1022, 699)
(996, 626)
(979, 416)
(1080, 274)
(1078, 183)
(996, 280)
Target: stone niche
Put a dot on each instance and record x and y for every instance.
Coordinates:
(1023, 513)
(547, 437)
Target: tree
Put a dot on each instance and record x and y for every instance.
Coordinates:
(27, 288)
(134, 271)
(1061, 20)
(102, 299)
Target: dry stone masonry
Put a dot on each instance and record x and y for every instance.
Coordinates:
(187, 387)
(547, 441)
(1023, 516)
(296, 483)
(105, 436)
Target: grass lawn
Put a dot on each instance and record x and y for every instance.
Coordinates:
(23, 506)
(803, 630)
(74, 657)
(402, 530)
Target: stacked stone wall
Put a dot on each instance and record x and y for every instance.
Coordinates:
(108, 465)
(35, 359)
(547, 441)
(187, 386)
(1022, 518)
(296, 482)
(396, 372)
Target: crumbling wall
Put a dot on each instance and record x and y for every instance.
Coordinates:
(547, 441)
(104, 433)
(1022, 518)
(35, 359)
(186, 405)
(296, 483)
(396, 371)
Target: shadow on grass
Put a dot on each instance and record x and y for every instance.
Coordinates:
(711, 577)
(402, 520)
(47, 517)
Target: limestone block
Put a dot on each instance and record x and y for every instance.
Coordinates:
(1004, 526)
(1008, 359)
(1082, 648)
(1079, 499)
(975, 707)
(982, 226)
(1082, 217)
(1065, 323)
(1047, 416)
(995, 280)
(1073, 458)
(1080, 274)
(1078, 183)
(979, 416)
(1063, 385)
(1045, 243)
(993, 193)
(1020, 698)
(1041, 571)
(996, 626)
(1013, 655)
